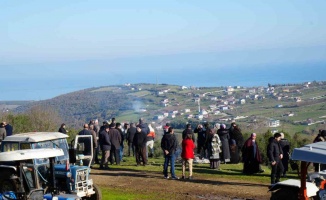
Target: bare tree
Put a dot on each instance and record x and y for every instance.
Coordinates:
(43, 119)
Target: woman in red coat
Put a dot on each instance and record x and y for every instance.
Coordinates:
(187, 154)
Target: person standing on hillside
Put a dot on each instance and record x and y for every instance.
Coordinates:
(251, 156)
(97, 150)
(63, 129)
(236, 142)
(201, 138)
(87, 142)
(105, 144)
(130, 138)
(169, 146)
(213, 146)
(8, 128)
(150, 141)
(91, 129)
(275, 155)
(3, 132)
(187, 155)
(139, 141)
(223, 133)
(285, 145)
(115, 138)
(119, 128)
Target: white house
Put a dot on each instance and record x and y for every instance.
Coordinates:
(183, 87)
(274, 123)
(200, 117)
(242, 101)
(203, 112)
(224, 108)
(190, 116)
(252, 91)
(216, 112)
(187, 110)
(165, 114)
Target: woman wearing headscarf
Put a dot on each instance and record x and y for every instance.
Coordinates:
(213, 145)
(223, 133)
(251, 156)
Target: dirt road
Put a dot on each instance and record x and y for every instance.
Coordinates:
(200, 188)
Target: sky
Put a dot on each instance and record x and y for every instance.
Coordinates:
(49, 48)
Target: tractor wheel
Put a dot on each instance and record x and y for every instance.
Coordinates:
(96, 196)
(285, 194)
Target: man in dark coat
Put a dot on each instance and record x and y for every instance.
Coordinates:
(169, 146)
(275, 155)
(139, 141)
(87, 142)
(201, 139)
(115, 138)
(105, 144)
(8, 128)
(130, 138)
(285, 145)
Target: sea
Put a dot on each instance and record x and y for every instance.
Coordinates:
(198, 76)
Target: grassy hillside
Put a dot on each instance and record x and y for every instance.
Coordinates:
(295, 106)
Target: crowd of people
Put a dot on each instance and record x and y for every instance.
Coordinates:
(218, 144)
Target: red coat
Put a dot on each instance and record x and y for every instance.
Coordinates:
(188, 147)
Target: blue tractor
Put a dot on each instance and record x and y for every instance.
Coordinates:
(71, 170)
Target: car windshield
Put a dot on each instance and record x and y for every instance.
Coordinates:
(59, 143)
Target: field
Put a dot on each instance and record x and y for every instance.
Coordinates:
(128, 181)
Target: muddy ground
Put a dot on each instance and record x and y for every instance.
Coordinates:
(147, 183)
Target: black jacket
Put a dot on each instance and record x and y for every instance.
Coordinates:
(105, 142)
(169, 143)
(130, 134)
(140, 140)
(274, 150)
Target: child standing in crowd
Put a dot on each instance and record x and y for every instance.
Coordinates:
(188, 147)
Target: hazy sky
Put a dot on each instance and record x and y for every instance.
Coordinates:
(48, 48)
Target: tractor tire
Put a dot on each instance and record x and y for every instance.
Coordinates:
(96, 196)
(285, 194)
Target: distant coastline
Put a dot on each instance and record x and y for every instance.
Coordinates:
(244, 76)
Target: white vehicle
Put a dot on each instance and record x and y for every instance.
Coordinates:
(71, 169)
(26, 183)
(310, 186)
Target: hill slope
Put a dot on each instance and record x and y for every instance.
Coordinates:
(294, 106)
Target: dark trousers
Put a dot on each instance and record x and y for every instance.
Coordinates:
(141, 155)
(131, 147)
(115, 153)
(96, 153)
(277, 170)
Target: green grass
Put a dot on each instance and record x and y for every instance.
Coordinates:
(118, 194)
